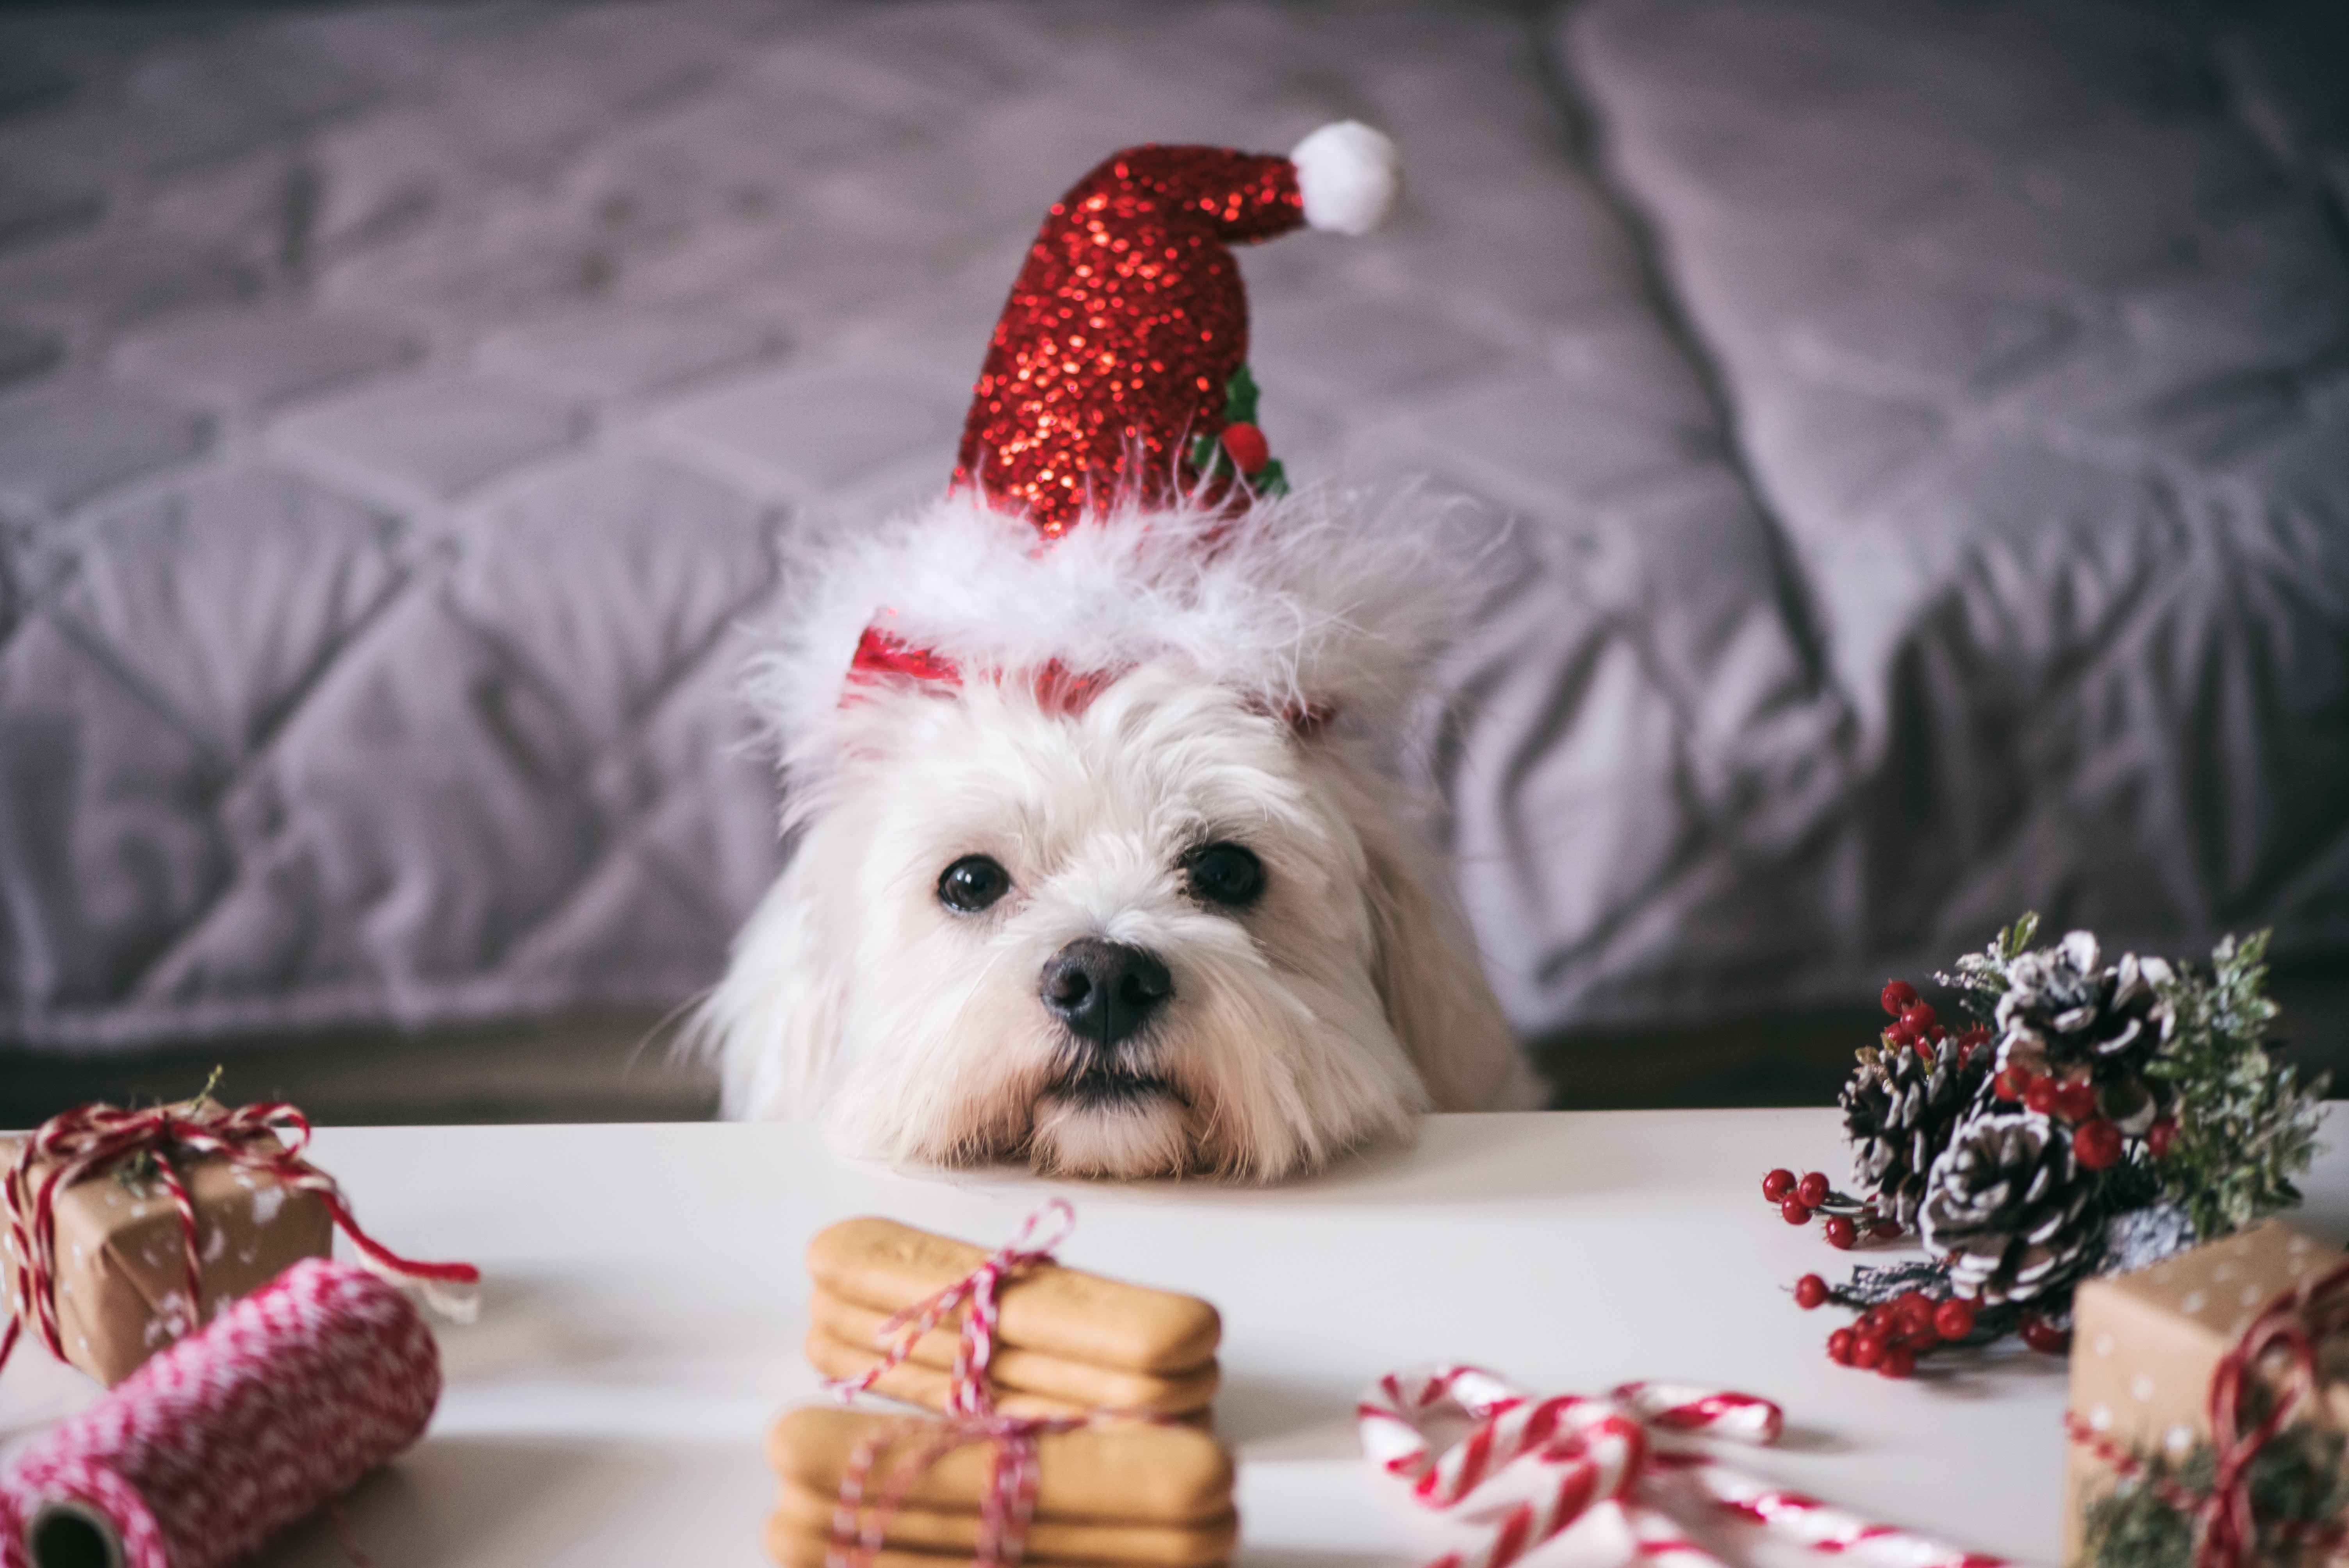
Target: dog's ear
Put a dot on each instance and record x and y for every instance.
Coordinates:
(1437, 1001)
(774, 1023)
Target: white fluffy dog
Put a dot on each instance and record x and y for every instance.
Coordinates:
(1127, 892)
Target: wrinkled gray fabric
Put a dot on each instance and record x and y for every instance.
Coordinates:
(1920, 425)
(2035, 321)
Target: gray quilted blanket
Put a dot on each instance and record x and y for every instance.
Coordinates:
(1923, 426)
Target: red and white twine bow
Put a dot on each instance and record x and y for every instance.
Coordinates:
(2278, 1350)
(78, 1144)
(1008, 1498)
(1567, 1455)
(972, 1394)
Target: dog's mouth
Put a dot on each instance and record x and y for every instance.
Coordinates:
(1101, 1087)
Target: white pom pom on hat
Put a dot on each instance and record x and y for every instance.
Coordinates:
(1350, 177)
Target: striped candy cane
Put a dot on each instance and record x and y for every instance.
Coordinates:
(1597, 1452)
(1821, 1526)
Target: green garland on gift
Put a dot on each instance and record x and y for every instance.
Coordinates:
(2151, 1518)
(2087, 1117)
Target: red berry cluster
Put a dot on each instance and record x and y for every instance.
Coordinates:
(2096, 1140)
(1799, 1199)
(1916, 1026)
(1891, 1334)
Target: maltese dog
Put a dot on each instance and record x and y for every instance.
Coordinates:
(1097, 862)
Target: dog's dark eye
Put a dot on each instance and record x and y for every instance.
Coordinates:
(1223, 873)
(971, 883)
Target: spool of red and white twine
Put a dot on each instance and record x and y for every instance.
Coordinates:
(1566, 1456)
(224, 1438)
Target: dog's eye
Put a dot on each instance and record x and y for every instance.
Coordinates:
(971, 883)
(1223, 873)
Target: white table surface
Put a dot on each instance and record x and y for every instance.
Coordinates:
(645, 1301)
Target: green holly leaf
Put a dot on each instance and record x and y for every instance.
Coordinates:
(1239, 398)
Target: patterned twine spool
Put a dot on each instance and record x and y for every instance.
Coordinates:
(231, 1435)
(1568, 1456)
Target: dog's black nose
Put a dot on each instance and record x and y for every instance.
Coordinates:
(1104, 990)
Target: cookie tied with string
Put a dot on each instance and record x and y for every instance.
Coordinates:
(1067, 1342)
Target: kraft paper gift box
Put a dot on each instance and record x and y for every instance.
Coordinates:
(2144, 1346)
(121, 1279)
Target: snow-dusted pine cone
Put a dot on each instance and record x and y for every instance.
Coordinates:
(2067, 1013)
(2008, 1208)
(1899, 1110)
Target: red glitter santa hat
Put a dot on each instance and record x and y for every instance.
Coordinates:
(1113, 417)
(1119, 360)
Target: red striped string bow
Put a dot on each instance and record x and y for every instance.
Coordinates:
(75, 1145)
(1531, 1468)
(1008, 1501)
(2275, 1359)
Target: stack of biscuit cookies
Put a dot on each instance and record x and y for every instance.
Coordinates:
(1067, 1343)
(1119, 1495)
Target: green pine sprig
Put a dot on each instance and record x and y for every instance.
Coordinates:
(2246, 1124)
(2297, 1487)
(1982, 977)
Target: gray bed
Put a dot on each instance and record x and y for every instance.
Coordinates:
(1922, 426)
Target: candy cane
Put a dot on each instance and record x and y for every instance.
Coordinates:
(1601, 1453)
(1821, 1526)
(1657, 1537)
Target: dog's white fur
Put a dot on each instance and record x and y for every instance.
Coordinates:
(1325, 1015)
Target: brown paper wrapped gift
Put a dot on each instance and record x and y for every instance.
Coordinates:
(121, 1257)
(2144, 1346)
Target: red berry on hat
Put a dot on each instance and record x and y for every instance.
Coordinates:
(1248, 449)
(1897, 994)
(2098, 1144)
(1778, 1186)
(1812, 1189)
(1810, 1290)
